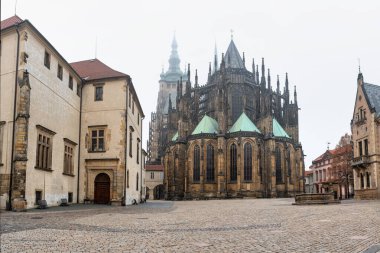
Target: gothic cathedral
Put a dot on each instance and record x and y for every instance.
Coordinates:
(232, 137)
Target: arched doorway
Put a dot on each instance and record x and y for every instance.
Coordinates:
(158, 192)
(102, 189)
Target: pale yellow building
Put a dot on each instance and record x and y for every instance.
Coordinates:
(51, 152)
(366, 140)
(154, 180)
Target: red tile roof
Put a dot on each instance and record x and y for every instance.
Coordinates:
(308, 172)
(150, 167)
(334, 152)
(94, 70)
(10, 22)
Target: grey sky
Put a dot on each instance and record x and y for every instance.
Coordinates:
(317, 42)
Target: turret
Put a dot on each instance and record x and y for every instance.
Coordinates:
(269, 84)
(278, 84)
(295, 95)
(243, 59)
(360, 77)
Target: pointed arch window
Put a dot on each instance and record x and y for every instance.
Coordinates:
(248, 162)
(233, 162)
(278, 166)
(289, 167)
(197, 164)
(210, 170)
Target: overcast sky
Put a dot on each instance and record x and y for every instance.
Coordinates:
(317, 42)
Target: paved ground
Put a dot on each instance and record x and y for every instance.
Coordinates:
(244, 225)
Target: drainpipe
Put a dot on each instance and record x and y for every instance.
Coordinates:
(14, 123)
(80, 134)
(126, 142)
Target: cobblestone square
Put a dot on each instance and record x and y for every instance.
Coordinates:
(236, 225)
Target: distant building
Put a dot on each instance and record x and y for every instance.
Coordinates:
(67, 131)
(154, 178)
(332, 171)
(365, 127)
(309, 181)
(159, 124)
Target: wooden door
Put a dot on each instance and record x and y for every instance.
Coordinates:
(102, 189)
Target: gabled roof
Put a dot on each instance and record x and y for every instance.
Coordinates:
(94, 69)
(232, 58)
(278, 131)
(154, 167)
(175, 137)
(243, 123)
(372, 94)
(206, 126)
(10, 22)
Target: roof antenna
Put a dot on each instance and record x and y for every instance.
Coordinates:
(15, 7)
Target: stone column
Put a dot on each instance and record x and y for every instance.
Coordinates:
(21, 144)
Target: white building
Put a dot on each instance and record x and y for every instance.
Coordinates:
(77, 130)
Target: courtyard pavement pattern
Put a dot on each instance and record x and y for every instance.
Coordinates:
(234, 225)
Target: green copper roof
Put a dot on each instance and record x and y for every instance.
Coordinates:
(206, 126)
(175, 137)
(278, 131)
(243, 123)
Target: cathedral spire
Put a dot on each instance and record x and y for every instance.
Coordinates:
(278, 84)
(295, 95)
(174, 60)
(263, 82)
(215, 59)
(209, 71)
(269, 85)
(180, 87)
(286, 83)
(243, 59)
(188, 71)
(253, 69)
(188, 82)
(196, 78)
(222, 64)
(257, 74)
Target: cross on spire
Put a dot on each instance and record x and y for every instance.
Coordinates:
(232, 34)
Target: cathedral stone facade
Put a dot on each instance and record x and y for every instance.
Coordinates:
(232, 137)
